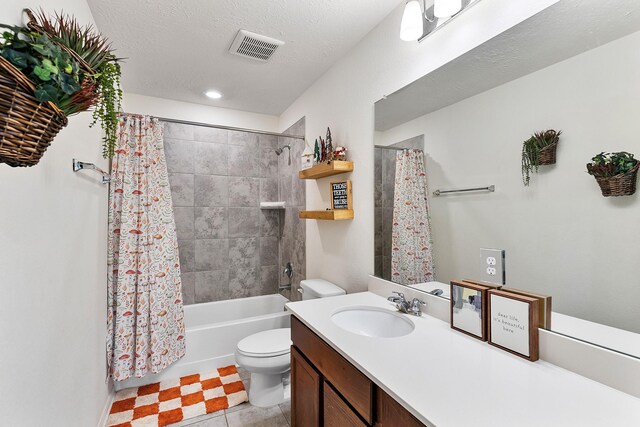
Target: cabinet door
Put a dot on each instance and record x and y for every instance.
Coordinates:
(336, 412)
(392, 414)
(305, 392)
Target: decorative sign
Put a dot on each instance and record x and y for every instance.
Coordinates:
(513, 323)
(544, 305)
(341, 197)
(469, 308)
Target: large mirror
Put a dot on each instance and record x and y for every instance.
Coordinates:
(465, 122)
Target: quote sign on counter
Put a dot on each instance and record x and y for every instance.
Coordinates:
(341, 197)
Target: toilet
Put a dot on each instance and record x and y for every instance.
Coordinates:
(267, 354)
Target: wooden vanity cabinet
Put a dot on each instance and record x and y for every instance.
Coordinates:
(329, 391)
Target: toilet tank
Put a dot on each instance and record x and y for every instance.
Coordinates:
(319, 288)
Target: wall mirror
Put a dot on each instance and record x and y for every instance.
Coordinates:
(573, 67)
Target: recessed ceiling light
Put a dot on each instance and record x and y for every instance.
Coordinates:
(213, 94)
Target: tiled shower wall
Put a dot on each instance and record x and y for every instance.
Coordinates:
(229, 247)
(384, 180)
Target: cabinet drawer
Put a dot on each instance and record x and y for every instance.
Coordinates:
(356, 388)
(336, 412)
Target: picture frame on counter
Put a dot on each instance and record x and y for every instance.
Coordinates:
(513, 323)
(544, 305)
(469, 308)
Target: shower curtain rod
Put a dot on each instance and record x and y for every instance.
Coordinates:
(208, 125)
(384, 147)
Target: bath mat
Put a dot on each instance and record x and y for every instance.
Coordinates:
(170, 401)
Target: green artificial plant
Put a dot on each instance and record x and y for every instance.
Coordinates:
(531, 149)
(606, 165)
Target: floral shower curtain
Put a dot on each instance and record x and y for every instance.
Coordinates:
(145, 314)
(411, 245)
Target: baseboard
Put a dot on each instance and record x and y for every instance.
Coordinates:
(107, 407)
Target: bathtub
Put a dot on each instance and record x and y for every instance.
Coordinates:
(213, 330)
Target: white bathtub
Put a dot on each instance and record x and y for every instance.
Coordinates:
(213, 330)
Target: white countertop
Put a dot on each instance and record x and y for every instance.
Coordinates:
(446, 378)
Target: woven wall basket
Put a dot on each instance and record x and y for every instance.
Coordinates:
(619, 185)
(547, 155)
(27, 126)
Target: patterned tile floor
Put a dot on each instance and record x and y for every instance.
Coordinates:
(245, 415)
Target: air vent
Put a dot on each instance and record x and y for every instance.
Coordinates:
(254, 46)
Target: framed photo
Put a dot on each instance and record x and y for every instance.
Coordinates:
(469, 308)
(341, 195)
(513, 323)
(544, 305)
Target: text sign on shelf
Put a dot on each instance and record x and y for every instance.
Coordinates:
(341, 195)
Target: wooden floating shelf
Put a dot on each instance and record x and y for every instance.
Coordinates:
(330, 215)
(326, 169)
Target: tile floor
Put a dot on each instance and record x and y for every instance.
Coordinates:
(245, 415)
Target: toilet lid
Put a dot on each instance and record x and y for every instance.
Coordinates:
(274, 342)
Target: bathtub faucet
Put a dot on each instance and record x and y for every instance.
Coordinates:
(288, 271)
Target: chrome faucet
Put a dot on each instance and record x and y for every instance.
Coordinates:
(414, 307)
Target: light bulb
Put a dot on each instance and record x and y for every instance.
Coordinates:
(446, 8)
(213, 94)
(411, 26)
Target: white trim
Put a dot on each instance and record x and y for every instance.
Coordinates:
(104, 416)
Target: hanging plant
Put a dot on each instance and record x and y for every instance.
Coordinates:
(537, 151)
(615, 173)
(50, 69)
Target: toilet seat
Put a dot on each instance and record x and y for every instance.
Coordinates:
(271, 343)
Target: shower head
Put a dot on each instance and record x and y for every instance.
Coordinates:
(281, 149)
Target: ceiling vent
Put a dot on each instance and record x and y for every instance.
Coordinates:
(254, 46)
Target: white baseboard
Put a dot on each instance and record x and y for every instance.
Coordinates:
(107, 407)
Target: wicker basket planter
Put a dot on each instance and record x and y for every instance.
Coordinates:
(547, 155)
(27, 126)
(619, 185)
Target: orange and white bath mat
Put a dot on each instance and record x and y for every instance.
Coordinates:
(170, 401)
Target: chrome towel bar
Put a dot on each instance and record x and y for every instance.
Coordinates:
(78, 165)
(490, 188)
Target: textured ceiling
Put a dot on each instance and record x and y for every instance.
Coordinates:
(179, 49)
(561, 31)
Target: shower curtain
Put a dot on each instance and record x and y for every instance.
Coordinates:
(411, 245)
(145, 314)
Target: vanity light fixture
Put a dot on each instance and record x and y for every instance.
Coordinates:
(446, 8)
(420, 21)
(213, 94)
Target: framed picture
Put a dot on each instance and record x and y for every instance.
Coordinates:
(469, 308)
(544, 306)
(341, 195)
(513, 323)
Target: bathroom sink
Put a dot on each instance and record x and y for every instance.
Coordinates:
(372, 322)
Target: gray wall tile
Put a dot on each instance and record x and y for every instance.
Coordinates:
(210, 158)
(182, 186)
(244, 282)
(243, 161)
(244, 222)
(244, 253)
(188, 287)
(186, 252)
(268, 141)
(211, 223)
(184, 222)
(244, 192)
(179, 155)
(268, 189)
(245, 139)
(212, 286)
(178, 131)
(269, 222)
(268, 163)
(211, 254)
(269, 279)
(211, 190)
(207, 134)
(268, 251)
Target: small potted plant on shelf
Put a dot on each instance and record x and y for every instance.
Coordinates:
(537, 151)
(615, 173)
(50, 69)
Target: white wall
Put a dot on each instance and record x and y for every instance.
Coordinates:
(343, 99)
(562, 237)
(53, 275)
(167, 108)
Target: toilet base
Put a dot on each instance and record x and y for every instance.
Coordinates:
(266, 390)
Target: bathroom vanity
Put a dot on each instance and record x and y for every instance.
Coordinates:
(430, 375)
